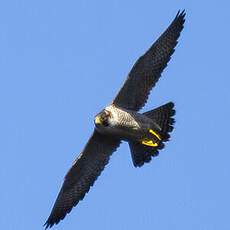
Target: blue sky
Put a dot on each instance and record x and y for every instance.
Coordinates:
(62, 62)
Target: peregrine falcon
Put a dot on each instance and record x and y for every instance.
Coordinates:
(120, 121)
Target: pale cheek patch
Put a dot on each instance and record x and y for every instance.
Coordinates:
(113, 121)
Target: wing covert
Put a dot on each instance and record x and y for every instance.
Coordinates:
(148, 68)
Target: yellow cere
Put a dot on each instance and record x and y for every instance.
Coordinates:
(149, 143)
(97, 120)
(155, 134)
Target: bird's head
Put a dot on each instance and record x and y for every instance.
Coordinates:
(102, 119)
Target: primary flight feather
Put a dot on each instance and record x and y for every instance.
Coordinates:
(120, 121)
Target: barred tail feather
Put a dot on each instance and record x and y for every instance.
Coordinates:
(141, 153)
(162, 116)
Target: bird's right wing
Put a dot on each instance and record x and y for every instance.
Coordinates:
(83, 173)
(148, 68)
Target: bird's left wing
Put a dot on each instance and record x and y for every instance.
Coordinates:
(83, 173)
(148, 68)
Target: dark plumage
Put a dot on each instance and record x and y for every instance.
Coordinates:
(145, 133)
(84, 171)
(163, 117)
(148, 68)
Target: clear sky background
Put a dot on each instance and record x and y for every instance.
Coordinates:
(61, 62)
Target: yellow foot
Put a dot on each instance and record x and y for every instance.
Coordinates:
(149, 143)
(155, 134)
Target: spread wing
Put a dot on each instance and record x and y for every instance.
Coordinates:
(148, 68)
(83, 173)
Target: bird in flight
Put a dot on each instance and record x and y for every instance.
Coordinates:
(120, 121)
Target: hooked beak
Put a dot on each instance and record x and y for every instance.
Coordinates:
(97, 120)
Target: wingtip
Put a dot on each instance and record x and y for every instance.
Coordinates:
(179, 20)
(48, 224)
(181, 14)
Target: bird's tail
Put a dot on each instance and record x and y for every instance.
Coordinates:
(162, 116)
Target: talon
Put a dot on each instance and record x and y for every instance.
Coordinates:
(155, 134)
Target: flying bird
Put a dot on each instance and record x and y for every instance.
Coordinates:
(120, 121)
